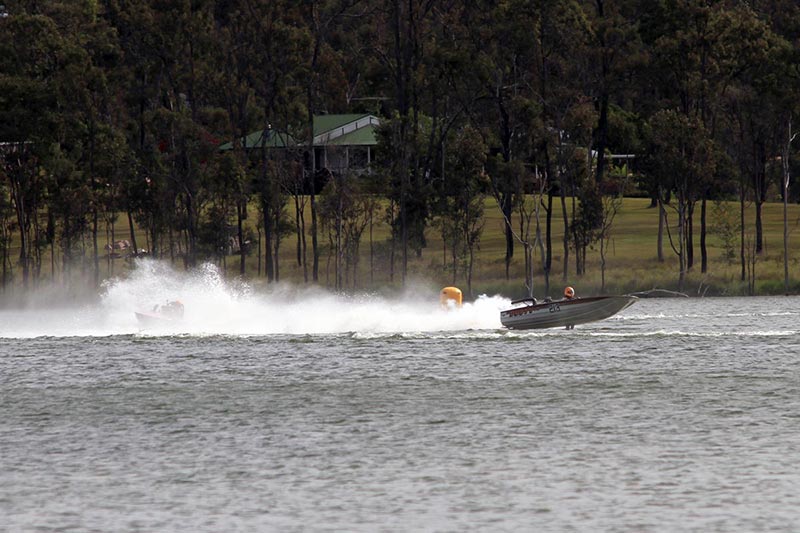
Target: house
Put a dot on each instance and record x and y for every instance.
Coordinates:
(342, 143)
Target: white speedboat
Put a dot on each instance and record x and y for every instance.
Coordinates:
(161, 314)
(566, 313)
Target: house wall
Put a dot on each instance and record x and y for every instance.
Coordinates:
(343, 158)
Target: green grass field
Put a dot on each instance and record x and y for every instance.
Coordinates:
(631, 260)
(632, 263)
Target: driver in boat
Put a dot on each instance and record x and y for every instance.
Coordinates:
(172, 309)
(569, 293)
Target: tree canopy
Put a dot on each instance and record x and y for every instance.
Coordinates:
(112, 113)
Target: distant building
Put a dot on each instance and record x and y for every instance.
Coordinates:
(342, 143)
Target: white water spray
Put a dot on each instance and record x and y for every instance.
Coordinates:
(214, 306)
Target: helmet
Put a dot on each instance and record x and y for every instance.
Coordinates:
(569, 292)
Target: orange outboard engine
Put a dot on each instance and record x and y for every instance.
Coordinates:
(450, 294)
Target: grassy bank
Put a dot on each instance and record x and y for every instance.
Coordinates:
(632, 262)
(631, 259)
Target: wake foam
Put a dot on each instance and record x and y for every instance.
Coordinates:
(214, 306)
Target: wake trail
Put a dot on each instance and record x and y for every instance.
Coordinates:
(214, 306)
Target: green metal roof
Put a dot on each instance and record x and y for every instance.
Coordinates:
(326, 123)
(273, 140)
(325, 133)
(361, 137)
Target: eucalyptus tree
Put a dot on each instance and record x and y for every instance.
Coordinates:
(791, 134)
(682, 156)
(681, 37)
(558, 35)
(214, 231)
(710, 60)
(784, 97)
(141, 76)
(404, 30)
(236, 59)
(785, 21)
(461, 210)
(750, 55)
(614, 49)
(323, 82)
(170, 45)
(33, 56)
(577, 159)
(345, 211)
(502, 102)
(587, 219)
(6, 217)
(92, 135)
(281, 174)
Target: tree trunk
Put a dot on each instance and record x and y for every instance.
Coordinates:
(241, 206)
(602, 131)
(507, 212)
(4, 242)
(602, 264)
(276, 255)
(314, 240)
(759, 226)
(689, 235)
(681, 243)
(760, 187)
(548, 232)
(22, 223)
(310, 97)
(134, 244)
(298, 230)
(371, 248)
(268, 265)
(703, 250)
(95, 250)
(785, 163)
(565, 272)
(191, 229)
(785, 230)
(660, 242)
(742, 256)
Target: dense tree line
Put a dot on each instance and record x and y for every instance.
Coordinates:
(112, 112)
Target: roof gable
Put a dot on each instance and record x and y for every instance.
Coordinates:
(340, 130)
(269, 138)
(332, 129)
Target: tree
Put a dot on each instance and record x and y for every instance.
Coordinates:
(321, 18)
(345, 212)
(785, 193)
(614, 49)
(612, 203)
(33, 57)
(6, 214)
(497, 91)
(463, 197)
(681, 156)
(560, 37)
(587, 222)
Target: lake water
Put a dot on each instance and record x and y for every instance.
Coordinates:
(300, 411)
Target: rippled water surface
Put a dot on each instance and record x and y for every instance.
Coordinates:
(677, 415)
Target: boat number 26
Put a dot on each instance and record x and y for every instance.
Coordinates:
(555, 308)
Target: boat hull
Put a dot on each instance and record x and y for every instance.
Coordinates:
(152, 319)
(564, 313)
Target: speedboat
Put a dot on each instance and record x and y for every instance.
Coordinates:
(566, 313)
(161, 314)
